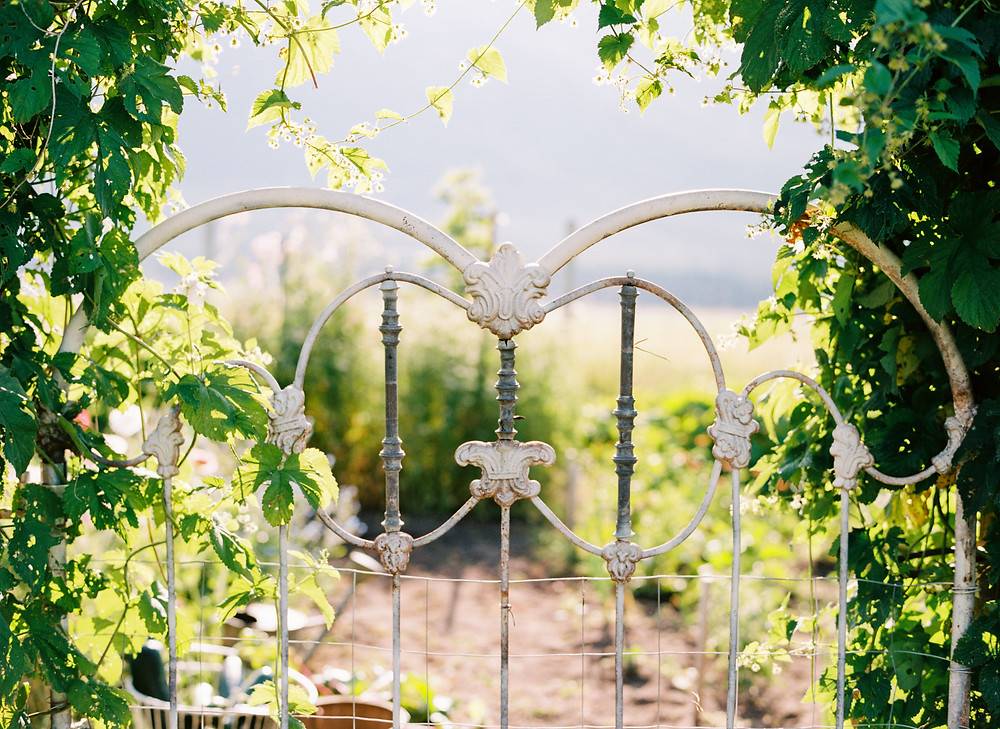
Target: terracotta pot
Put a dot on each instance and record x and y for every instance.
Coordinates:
(345, 712)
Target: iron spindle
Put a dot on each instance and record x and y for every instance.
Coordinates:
(619, 655)
(392, 463)
(624, 457)
(507, 388)
(504, 617)
(168, 520)
(732, 690)
(392, 451)
(396, 654)
(842, 574)
(164, 443)
(964, 600)
(283, 617)
(625, 461)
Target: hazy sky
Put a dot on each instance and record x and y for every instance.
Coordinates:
(553, 147)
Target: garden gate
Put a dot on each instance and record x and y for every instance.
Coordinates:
(506, 296)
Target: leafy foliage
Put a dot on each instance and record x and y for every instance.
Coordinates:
(88, 143)
(915, 170)
(907, 92)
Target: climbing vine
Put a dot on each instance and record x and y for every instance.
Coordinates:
(906, 91)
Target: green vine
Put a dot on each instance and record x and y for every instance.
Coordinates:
(89, 102)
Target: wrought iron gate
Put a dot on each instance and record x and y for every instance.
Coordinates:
(507, 296)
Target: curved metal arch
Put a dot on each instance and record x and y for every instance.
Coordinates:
(687, 531)
(340, 299)
(283, 197)
(306, 197)
(809, 382)
(754, 201)
(720, 382)
(838, 419)
(661, 293)
(654, 208)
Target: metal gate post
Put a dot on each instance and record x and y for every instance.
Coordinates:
(963, 606)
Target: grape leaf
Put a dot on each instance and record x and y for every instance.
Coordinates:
(611, 14)
(153, 608)
(976, 293)
(946, 147)
(311, 49)
(17, 422)
(278, 500)
(311, 589)
(611, 49)
(269, 106)
(443, 100)
(545, 10)
(489, 61)
(647, 90)
(218, 405)
(377, 25)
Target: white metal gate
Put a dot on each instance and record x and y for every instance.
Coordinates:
(506, 296)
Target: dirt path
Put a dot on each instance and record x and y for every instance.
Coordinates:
(450, 636)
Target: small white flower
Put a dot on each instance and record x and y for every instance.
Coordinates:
(397, 33)
(194, 289)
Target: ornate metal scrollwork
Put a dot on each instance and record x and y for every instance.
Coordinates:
(394, 549)
(732, 428)
(505, 292)
(621, 558)
(957, 427)
(505, 467)
(850, 456)
(164, 444)
(289, 428)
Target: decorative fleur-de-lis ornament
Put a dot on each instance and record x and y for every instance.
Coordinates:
(505, 467)
(621, 558)
(732, 429)
(164, 444)
(850, 456)
(289, 428)
(505, 292)
(394, 549)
